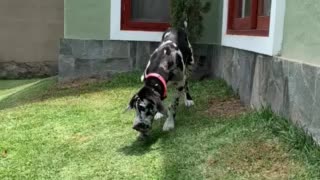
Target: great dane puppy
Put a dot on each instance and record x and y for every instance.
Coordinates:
(170, 63)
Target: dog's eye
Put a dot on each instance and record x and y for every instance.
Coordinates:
(141, 108)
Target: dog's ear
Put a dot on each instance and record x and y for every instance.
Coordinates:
(132, 103)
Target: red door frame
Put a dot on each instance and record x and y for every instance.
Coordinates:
(253, 25)
(128, 24)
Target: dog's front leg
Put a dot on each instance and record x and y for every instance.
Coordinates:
(169, 124)
(159, 115)
(162, 111)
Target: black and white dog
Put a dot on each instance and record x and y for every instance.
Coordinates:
(170, 63)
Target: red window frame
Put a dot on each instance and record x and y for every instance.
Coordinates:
(128, 24)
(253, 25)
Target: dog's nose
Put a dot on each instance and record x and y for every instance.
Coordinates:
(142, 127)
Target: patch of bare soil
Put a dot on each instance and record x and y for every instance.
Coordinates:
(4, 153)
(257, 159)
(79, 138)
(230, 107)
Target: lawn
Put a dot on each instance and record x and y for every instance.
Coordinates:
(81, 132)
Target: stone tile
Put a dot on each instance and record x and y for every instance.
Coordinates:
(200, 49)
(302, 94)
(216, 64)
(247, 63)
(65, 47)
(102, 67)
(275, 93)
(94, 49)
(260, 82)
(316, 138)
(285, 67)
(116, 49)
(235, 71)
(82, 68)
(226, 58)
(66, 67)
(293, 68)
(309, 74)
(316, 106)
(78, 48)
(285, 110)
(133, 51)
(143, 53)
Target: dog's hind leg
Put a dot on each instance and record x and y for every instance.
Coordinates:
(188, 101)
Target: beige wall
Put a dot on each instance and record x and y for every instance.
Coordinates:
(30, 30)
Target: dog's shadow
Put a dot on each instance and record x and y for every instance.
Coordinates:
(140, 147)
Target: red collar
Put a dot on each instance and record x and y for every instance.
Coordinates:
(161, 79)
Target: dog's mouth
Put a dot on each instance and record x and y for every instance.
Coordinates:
(142, 127)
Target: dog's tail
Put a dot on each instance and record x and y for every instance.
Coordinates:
(185, 23)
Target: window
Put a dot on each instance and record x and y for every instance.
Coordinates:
(145, 15)
(249, 17)
(264, 35)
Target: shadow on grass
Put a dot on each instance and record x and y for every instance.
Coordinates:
(142, 147)
(49, 89)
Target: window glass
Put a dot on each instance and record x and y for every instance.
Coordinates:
(150, 11)
(244, 8)
(264, 7)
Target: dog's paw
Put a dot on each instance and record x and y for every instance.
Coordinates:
(158, 116)
(142, 137)
(168, 125)
(188, 103)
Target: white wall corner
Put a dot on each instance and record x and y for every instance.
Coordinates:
(279, 20)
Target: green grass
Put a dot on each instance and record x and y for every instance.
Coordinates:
(48, 132)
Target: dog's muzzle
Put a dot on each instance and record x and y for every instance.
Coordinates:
(142, 127)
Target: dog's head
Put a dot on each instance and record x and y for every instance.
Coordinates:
(146, 103)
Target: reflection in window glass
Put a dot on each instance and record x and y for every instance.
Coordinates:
(246, 4)
(150, 11)
(244, 8)
(264, 7)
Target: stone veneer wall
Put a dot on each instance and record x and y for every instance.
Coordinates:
(82, 59)
(21, 70)
(289, 88)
